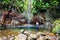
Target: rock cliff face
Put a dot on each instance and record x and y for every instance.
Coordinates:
(15, 19)
(8, 18)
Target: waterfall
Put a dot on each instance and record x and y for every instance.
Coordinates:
(29, 13)
(47, 14)
(48, 24)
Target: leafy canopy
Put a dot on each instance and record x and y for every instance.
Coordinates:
(21, 5)
(43, 5)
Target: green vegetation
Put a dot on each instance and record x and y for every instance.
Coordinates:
(39, 5)
(56, 26)
(20, 5)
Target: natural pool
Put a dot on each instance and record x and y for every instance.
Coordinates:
(29, 29)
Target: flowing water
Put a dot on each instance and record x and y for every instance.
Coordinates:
(29, 12)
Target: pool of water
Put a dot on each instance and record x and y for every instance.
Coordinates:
(28, 28)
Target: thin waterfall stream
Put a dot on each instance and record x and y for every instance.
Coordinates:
(29, 11)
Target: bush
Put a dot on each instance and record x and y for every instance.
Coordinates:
(56, 26)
